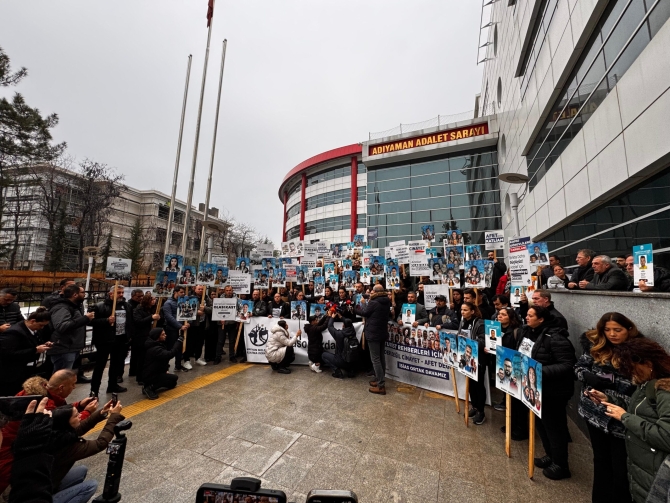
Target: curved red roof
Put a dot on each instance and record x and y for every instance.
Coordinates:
(349, 150)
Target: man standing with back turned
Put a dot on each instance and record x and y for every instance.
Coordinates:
(376, 312)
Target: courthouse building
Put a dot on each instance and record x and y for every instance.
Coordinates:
(574, 97)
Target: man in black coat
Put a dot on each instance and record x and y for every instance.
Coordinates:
(157, 363)
(10, 311)
(50, 300)
(376, 313)
(542, 298)
(585, 271)
(68, 328)
(441, 317)
(336, 360)
(606, 277)
(277, 308)
(499, 270)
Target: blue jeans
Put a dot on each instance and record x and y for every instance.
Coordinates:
(64, 360)
(75, 488)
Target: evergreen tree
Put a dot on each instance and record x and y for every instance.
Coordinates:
(58, 240)
(105, 251)
(134, 247)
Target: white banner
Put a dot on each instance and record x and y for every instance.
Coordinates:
(224, 309)
(494, 240)
(432, 291)
(311, 256)
(519, 262)
(418, 265)
(239, 281)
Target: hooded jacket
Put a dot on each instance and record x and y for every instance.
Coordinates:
(279, 339)
(11, 314)
(156, 361)
(315, 338)
(68, 326)
(340, 335)
(376, 313)
(613, 279)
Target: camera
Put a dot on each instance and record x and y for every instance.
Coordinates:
(248, 490)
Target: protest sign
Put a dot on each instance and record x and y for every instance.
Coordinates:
(187, 308)
(438, 268)
(393, 278)
(245, 309)
(317, 310)
(531, 382)
(428, 232)
(118, 269)
(453, 277)
(468, 354)
(454, 238)
(299, 310)
(173, 263)
(349, 280)
(242, 264)
(188, 275)
(418, 265)
(519, 262)
(454, 255)
(377, 263)
(220, 260)
(643, 264)
(292, 248)
(492, 335)
(538, 253)
(328, 270)
(494, 240)
(205, 274)
(311, 255)
(473, 252)
(221, 276)
(279, 280)
(347, 265)
(408, 313)
(449, 347)
(417, 247)
(359, 239)
(224, 309)
(338, 250)
(397, 243)
(315, 272)
(365, 275)
(431, 252)
(508, 371)
(261, 279)
(265, 250)
(432, 291)
(239, 281)
(515, 294)
(401, 253)
(164, 283)
(373, 232)
(474, 274)
(291, 272)
(319, 286)
(302, 275)
(334, 282)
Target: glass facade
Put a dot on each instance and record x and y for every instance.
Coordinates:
(326, 225)
(460, 191)
(331, 174)
(602, 64)
(651, 195)
(539, 35)
(293, 210)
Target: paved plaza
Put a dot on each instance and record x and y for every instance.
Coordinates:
(303, 431)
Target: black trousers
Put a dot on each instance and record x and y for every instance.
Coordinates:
(116, 353)
(170, 339)
(478, 387)
(519, 417)
(194, 341)
(137, 355)
(230, 332)
(164, 381)
(211, 340)
(121, 362)
(289, 357)
(610, 472)
(553, 430)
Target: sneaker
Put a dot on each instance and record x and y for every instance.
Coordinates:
(187, 365)
(555, 472)
(480, 418)
(543, 462)
(283, 370)
(500, 406)
(472, 413)
(315, 368)
(200, 361)
(149, 393)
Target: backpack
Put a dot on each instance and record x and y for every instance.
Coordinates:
(350, 350)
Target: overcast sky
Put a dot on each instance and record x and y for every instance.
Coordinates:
(301, 77)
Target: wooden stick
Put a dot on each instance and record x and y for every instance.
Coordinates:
(508, 425)
(453, 380)
(531, 444)
(239, 329)
(363, 341)
(158, 310)
(467, 401)
(183, 344)
(116, 286)
(204, 292)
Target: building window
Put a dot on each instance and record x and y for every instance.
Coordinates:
(331, 174)
(179, 216)
(196, 244)
(161, 234)
(293, 233)
(176, 239)
(361, 192)
(595, 75)
(295, 190)
(546, 13)
(362, 221)
(293, 210)
(362, 168)
(163, 212)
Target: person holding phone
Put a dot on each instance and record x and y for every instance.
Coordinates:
(19, 346)
(599, 370)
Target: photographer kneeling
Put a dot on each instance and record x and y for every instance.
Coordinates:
(279, 349)
(344, 358)
(156, 363)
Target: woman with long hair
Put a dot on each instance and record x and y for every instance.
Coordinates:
(597, 369)
(473, 325)
(549, 345)
(143, 319)
(646, 416)
(510, 324)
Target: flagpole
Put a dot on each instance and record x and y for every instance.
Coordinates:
(211, 161)
(189, 200)
(176, 164)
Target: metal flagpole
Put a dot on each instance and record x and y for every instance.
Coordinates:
(211, 161)
(189, 200)
(176, 165)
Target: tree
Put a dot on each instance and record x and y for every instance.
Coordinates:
(133, 249)
(106, 250)
(57, 244)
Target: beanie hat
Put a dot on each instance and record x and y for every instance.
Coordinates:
(155, 333)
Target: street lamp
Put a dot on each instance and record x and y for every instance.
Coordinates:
(514, 179)
(90, 252)
(212, 227)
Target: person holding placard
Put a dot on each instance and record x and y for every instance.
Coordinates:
(510, 323)
(277, 308)
(376, 314)
(543, 341)
(227, 330)
(172, 327)
(143, 318)
(420, 313)
(472, 327)
(441, 317)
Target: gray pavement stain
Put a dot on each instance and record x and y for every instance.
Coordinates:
(310, 431)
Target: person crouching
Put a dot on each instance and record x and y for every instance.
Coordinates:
(279, 349)
(336, 360)
(156, 363)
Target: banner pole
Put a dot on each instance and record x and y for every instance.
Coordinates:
(183, 345)
(531, 444)
(237, 340)
(467, 401)
(508, 425)
(158, 310)
(116, 286)
(453, 380)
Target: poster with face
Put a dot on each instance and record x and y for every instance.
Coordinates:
(295, 248)
(453, 277)
(468, 352)
(301, 275)
(531, 384)
(242, 264)
(173, 263)
(428, 232)
(393, 278)
(279, 280)
(408, 313)
(261, 280)
(435, 265)
(328, 269)
(365, 275)
(164, 284)
(538, 253)
(492, 335)
(431, 252)
(244, 310)
(338, 251)
(299, 310)
(449, 347)
(318, 310)
(359, 241)
(220, 277)
(454, 255)
(473, 252)
(187, 308)
(377, 265)
(315, 272)
(474, 274)
(187, 275)
(319, 286)
(454, 238)
(268, 263)
(643, 264)
(334, 282)
(347, 265)
(508, 371)
(206, 271)
(118, 269)
(515, 293)
(349, 280)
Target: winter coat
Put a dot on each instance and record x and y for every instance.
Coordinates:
(582, 273)
(605, 378)
(279, 339)
(647, 425)
(260, 308)
(156, 361)
(660, 491)
(558, 319)
(376, 314)
(17, 350)
(421, 316)
(103, 332)
(340, 335)
(172, 326)
(509, 337)
(50, 300)
(555, 352)
(556, 283)
(476, 328)
(11, 314)
(284, 309)
(445, 318)
(68, 327)
(614, 279)
(315, 339)
(142, 323)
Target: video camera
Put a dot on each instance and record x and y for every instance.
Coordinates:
(248, 490)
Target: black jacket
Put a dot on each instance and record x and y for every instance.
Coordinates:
(557, 321)
(156, 361)
(142, 323)
(584, 273)
(509, 337)
(340, 335)
(68, 327)
(260, 308)
(50, 300)
(614, 279)
(17, 349)
(444, 317)
(315, 338)
(284, 309)
(103, 332)
(486, 308)
(376, 314)
(555, 352)
(11, 314)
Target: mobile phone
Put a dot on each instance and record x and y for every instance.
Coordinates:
(215, 493)
(14, 407)
(115, 399)
(330, 496)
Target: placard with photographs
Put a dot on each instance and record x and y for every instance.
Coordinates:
(531, 383)
(438, 268)
(347, 265)
(224, 309)
(299, 310)
(242, 264)
(118, 269)
(338, 250)
(365, 275)
(449, 347)
(393, 278)
(468, 352)
(284, 261)
(328, 269)
(492, 335)
(261, 279)
(220, 277)
(292, 248)
(269, 263)
(187, 275)
(538, 253)
(454, 238)
(508, 371)
(245, 310)
(428, 232)
(239, 281)
(454, 255)
(302, 275)
(359, 240)
(377, 263)
(334, 282)
(515, 293)
(279, 280)
(473, 252)
(315, 272)
(408, 314)
(453, 277)
(474, 274)
(164, 284)
(643, 264)
(431, 252)
(349, 280)
(187, 308)
(291, 272)
(388, 263)
(173, 263)
(205, 275)
(319, 286)
(318, 310)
